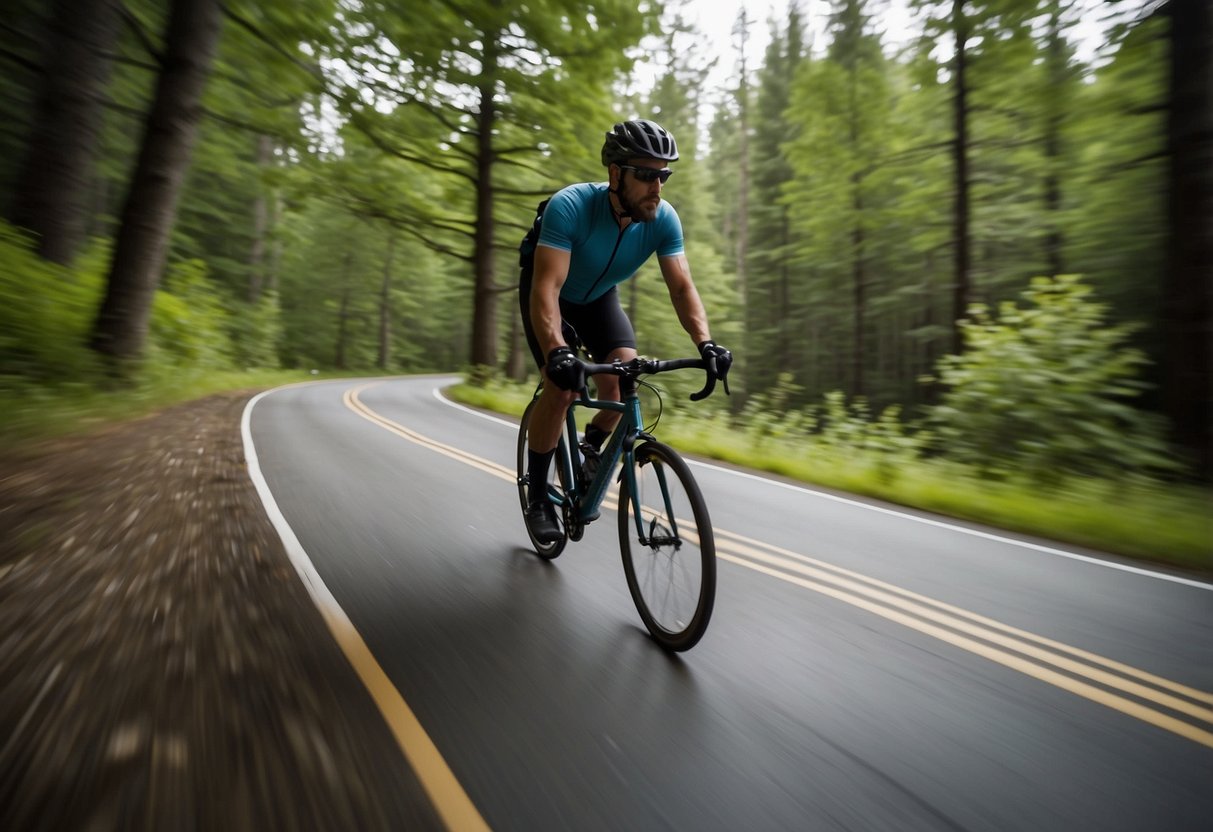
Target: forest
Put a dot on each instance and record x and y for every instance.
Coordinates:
(993, 235)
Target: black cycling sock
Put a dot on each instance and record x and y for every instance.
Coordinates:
(595, 435)
(537, 470)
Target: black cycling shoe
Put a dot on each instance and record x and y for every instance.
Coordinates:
(592, 459)
(541, 520)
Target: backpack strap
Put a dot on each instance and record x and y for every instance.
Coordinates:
(526, 250)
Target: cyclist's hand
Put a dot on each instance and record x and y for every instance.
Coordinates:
(564, 370)
(718, 360)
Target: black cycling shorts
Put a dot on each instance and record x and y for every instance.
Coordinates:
(601, 325)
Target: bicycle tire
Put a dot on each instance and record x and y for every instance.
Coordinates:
(673, 583)
(548, 551)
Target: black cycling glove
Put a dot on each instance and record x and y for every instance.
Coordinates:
(718, 359)
(564, 370)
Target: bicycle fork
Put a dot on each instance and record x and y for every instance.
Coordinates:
(657, 535)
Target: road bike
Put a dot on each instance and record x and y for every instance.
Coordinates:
(665, 535)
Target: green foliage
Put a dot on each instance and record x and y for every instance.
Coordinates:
(835, 432)
(45, 311)
(46, 315)
(189, 322)
(255, 332)
(1047, 390)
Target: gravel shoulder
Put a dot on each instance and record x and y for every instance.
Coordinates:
(161, 664)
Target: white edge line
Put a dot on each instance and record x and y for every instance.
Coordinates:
(1162, 576)
(446, 795)
(303, 565)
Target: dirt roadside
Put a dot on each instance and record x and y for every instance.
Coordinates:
(161, 664)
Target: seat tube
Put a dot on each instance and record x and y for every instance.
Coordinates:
(573, 457)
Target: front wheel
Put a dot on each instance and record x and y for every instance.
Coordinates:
(553, 485)
(670, 557)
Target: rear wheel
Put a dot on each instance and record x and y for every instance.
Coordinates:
(670, 561)
(554, 486)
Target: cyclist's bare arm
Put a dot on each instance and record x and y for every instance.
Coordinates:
(551, 270)
(685, 297)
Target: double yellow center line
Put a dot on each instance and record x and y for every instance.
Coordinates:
(1166, 704)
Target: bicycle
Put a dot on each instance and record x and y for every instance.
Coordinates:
(665, 535)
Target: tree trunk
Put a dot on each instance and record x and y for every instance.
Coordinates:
(54, 184)
(860, 295)
(516, 364)
(151, 204)
(1056, 57)
(752, 318)
(484, 311)
(275, 266)
(1188, 288)
(783, 315)
(385, 306)
(343, 313)
(260, 224)
(858, 278)
(960, 155)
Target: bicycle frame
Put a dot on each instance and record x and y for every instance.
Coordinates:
(671, 578)
(588, 498)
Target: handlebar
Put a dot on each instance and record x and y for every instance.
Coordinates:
(652, 366)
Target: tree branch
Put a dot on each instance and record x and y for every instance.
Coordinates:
(407, 157)
(141, 34)
(311, 69)
(1140, 160)
(20, 60)
(135, 62)
(359, 204)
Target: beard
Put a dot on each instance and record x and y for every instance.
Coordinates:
(644, 210)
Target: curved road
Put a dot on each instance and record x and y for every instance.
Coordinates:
(866, 667)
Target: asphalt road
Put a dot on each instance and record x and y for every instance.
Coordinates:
(866, 668)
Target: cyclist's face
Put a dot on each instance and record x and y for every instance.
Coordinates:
(641, 199)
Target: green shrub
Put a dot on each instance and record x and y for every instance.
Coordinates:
(1046, 391)
(255, 332)
(189, 323)
(46, 310)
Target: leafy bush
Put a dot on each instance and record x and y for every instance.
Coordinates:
(189, 323)
(1046, 390)
(255, 332)
(47, 313)
(46, 310)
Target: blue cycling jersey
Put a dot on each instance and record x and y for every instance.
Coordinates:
(579, 220)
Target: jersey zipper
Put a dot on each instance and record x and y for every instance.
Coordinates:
(618, 240)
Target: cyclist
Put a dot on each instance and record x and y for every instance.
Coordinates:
(588, 238)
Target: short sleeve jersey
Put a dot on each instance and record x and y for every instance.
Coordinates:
(579, 220)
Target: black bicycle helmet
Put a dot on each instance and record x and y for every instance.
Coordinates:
(638, 139)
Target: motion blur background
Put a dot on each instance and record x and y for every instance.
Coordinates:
(963, 241)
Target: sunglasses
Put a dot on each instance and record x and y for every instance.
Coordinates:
(648, 174)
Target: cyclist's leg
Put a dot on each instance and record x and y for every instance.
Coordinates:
(547, 420)
(607, 333)
(547, 417)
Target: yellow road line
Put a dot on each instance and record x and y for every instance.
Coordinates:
(449, 799)
(1094, 694)
(451, 803)
(946, 622)
(993, 631)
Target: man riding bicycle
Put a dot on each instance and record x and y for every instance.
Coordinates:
(589, 238)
